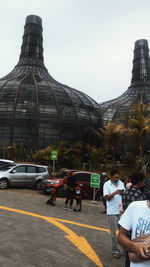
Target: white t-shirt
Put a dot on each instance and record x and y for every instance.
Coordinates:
(113, 204)
(137, 219)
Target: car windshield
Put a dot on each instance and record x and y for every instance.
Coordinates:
(6, 167)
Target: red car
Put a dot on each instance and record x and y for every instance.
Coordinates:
(81, 177)
(58, 182)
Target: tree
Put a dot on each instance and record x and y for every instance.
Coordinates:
(139, 128)
(96, 156)
(92, 137)
(42, 156)
(16, 153)
(112, 134)
(63, 154)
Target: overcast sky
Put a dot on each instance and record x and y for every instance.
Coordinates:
(88, 44)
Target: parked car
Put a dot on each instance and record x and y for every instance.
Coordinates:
(5, 162)
(63, 173)
(23, 175)
(81, 177)
(56, 180)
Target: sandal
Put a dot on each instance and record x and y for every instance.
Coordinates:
(116, 255)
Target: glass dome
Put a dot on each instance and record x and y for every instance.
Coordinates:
(117, 109)
(36, 109)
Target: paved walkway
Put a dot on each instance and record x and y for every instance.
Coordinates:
(34, 234)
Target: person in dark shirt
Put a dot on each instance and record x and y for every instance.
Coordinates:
(70, 191)
(99, 191)
(134, 193)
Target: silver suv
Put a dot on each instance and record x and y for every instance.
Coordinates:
(24, 175)
(5, 161)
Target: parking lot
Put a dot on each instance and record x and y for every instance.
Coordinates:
(35, 234)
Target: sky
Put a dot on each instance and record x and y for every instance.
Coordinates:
(88, 44)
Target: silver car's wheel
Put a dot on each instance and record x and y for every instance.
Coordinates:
(3, 183)
(38, 185)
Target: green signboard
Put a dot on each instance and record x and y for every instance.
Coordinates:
(54, 154)
(95, 180)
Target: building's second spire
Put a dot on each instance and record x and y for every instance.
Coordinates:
(141, 62)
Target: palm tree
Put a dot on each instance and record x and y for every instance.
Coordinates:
(138, 125)
(63, 154)
(92, 137)
(95, 156)
(16, 153)
(77, 154)
(112, 135)
(42, 156)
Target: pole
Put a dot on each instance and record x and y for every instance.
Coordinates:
(53, 165)
(93, 201)
(94, 194)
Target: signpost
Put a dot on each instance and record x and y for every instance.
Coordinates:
(95, 181)
(54, 156)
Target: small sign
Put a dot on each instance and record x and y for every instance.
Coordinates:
(95, 180)
(54, 154)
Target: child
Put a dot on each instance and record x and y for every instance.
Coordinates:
(52, 200)
(78, 198)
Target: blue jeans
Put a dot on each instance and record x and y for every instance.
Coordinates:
(113, 226)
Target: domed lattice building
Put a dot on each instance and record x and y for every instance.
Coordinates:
(139, 90)
(36, 109)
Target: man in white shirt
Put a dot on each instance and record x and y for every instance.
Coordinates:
(136, 219)
(112, 191)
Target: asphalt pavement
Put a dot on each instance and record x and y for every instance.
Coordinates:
(34, 234)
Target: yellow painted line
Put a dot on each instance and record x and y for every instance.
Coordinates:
(79, 241)
(84, 225)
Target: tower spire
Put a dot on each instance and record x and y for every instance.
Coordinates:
(141, 62)
(32, 42)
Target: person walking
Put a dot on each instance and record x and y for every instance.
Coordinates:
(136, 219)
(70, 191)
(112, 192)
(134, 193)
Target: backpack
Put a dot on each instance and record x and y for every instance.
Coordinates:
(77, 191)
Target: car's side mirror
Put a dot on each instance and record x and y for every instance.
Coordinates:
(13, 171)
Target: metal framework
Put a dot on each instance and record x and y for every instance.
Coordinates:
(36, 109)
(139, 90)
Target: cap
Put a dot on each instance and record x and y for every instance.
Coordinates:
(70, 173)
